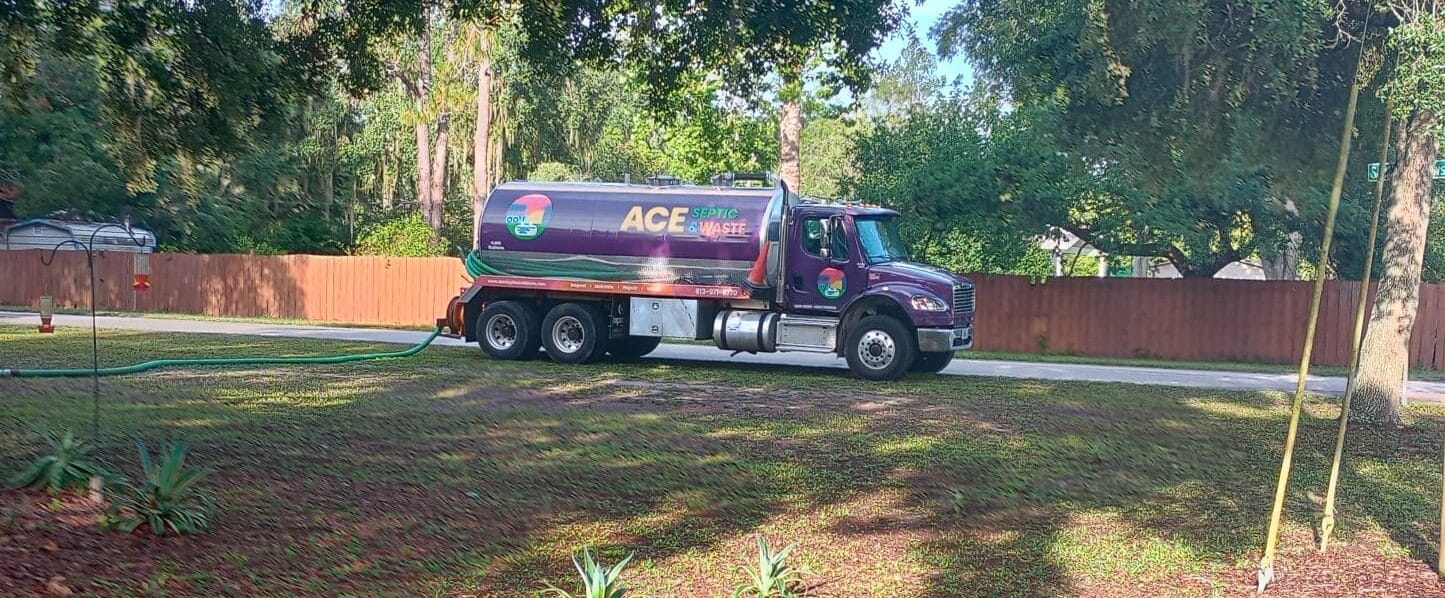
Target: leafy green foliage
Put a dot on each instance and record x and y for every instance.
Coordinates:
(554, 171)
(167, 499)
(828, 142)
(598, 581)
(204, 84)
(408, 237)
(66, 467)
(935, 166)
(1418, 80)
(1167, 130)
(771, 577)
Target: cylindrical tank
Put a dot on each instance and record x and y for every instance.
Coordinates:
(616, 232)
(751, 331)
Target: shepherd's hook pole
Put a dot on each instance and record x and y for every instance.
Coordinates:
(1266, 563)
(89, 250)
(1327, 524)
(94, 349)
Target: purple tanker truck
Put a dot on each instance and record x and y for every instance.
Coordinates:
(586, 270)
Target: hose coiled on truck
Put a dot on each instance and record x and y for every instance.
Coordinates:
(475, 266)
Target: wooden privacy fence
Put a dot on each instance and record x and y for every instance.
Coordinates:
(1113, 317)
(360, 290)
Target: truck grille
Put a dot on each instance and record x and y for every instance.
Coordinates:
(962, 299)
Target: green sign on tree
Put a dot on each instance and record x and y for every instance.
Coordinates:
(1373, 170)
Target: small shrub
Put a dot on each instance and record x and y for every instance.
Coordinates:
(66, 466)
(598, 581)
(772, 577)
(554, 171)
(166, 499)
(405, 237)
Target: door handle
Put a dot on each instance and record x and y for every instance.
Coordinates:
(797, 280)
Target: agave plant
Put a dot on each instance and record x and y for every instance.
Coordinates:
(66, 466)
(166, 500)
(772, 577)
(598, 581)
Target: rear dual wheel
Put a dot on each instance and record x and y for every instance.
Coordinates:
(575, 333)
(509, 330)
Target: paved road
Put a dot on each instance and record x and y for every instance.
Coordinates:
(1426, 391)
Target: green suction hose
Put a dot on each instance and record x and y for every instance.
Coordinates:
(158, 363)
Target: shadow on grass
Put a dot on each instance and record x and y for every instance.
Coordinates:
(455, 474)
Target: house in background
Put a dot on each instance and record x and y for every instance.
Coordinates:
(44, 233)
(1065, 248)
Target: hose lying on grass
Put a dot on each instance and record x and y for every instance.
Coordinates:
(159, 363)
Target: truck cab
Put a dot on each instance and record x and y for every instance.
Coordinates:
(587, 271)
(851, 260)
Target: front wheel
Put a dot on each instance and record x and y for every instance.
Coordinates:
(632, 347)
(509, 330)
(575, 333)
(880, 348)
(932, 362)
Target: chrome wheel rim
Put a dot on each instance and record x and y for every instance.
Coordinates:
(568, 334)
(876, 349)
(501, 332)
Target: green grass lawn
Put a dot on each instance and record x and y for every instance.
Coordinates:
(451, 474)
(1227, 366)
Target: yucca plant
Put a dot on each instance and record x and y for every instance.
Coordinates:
(66, 466)
(598, 581)
(167, 499)
(772, 577)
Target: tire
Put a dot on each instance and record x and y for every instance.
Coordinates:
(575, 333)
(932, 362)
(509, 330)
(880, 348)
(632, 347)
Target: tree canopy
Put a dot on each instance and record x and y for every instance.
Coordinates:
(1200, 128)
(1199, 132)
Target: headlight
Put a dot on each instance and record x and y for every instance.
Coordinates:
(929, 303)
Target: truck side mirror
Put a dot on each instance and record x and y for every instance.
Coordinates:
(825, 241)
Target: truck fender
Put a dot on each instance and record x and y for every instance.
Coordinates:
(473, 298)
(889, 301)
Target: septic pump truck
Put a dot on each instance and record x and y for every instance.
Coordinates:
(586, 270)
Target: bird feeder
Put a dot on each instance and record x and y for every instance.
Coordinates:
(47, 311)
(142, 272)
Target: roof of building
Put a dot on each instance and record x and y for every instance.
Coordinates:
(104, 235)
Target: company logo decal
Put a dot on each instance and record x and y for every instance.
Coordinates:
(831, 283)
(527, 217)
(708, 222)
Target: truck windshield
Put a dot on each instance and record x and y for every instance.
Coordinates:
(880, 240)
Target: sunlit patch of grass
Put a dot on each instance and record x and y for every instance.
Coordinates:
(1099, 546)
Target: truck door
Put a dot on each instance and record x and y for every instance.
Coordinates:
(818, 280)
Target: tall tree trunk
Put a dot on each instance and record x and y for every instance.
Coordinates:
(482, 139)
(1385, 355)
(438, 193)
(1284, 265)
(790, 129)
(421, 92)
(423, 167)
(328, 192)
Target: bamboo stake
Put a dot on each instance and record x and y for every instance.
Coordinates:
(1327, 524)
(1266, 563)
